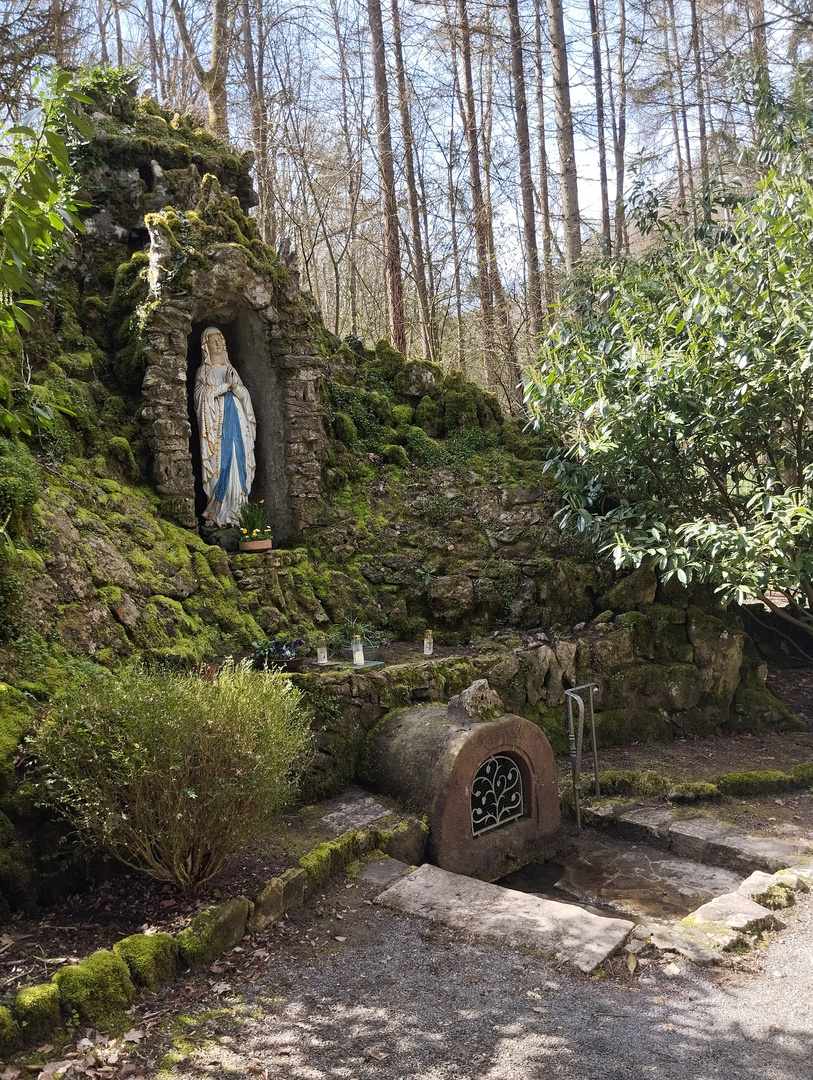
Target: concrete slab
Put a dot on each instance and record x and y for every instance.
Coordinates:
(384, 872)
(735, 911)
(353, 810)
(564, 930)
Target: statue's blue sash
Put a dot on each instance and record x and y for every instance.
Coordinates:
(231, 440)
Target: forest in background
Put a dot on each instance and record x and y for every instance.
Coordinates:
(440, 167)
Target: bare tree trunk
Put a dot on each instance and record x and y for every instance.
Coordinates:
(598, 83)
(257, 113)
(525, 178)
(392, 246)
(480, 211)
(452, 196)
(701, 107)
(684, 112)
(620, 142)
(213, 80)
(119, 42)
(564, 134)
(419, 262)
(153, 46)
(101, 19)
(673, 116)
(542, 153)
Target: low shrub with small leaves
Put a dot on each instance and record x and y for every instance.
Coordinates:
(174, 774)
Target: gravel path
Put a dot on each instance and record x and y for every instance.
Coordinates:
(399, 998)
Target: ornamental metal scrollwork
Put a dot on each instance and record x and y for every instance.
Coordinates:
(496, 794)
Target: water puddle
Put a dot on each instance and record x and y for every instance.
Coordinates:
(611, 875)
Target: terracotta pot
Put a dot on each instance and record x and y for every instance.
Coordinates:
(255, 545)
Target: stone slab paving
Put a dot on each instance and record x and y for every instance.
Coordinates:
(629, 878)
(353, 810)
(563, 930)
(707, 840)
(384, 872)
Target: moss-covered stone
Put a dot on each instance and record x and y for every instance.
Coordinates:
(330, 857)
(97, 988)
(213, 932)
(9, 1031)
(36, 1009)
(753, 783)
(692, 790)
(634, 591)
(802, 774)
(151, 959)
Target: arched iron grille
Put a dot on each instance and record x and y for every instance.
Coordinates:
(496, 794)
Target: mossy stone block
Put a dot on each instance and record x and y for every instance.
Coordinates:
(268, 906)
(36, 1009)
(9, 1031)
(151, 959)
(753, 783)
(97, 988)
(692, 790)
(328, 858)
(213, 932)
(802, 774)
(636, 590)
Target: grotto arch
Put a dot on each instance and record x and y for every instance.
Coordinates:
(265, 323)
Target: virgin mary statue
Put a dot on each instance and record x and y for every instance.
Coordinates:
(227, 431)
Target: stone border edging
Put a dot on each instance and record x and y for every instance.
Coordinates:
(106, 981)
(648, 783)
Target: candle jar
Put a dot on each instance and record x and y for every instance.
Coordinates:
(321, 650)
(358, 651)
(428, 644)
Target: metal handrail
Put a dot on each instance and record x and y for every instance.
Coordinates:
(576, 740)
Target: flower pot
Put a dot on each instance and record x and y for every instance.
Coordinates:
(370, 653)
(255, 545)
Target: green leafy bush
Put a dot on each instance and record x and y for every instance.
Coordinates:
(172, 773)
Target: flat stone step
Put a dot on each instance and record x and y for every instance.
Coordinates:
(567, 932)
(704, 839)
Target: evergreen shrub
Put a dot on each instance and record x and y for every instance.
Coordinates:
(172, 773)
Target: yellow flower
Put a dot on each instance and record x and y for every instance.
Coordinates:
(254, 533)
(244, 530)
(262, 501)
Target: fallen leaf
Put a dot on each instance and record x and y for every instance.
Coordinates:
(540, 1008)
(134, 1035)
(632, 963)
(216, 969)
(84, 1044)
(221, 987)
(340, 938)
(46, 1049)
(11, 1073)
(127, 1070)
(377, 1055)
